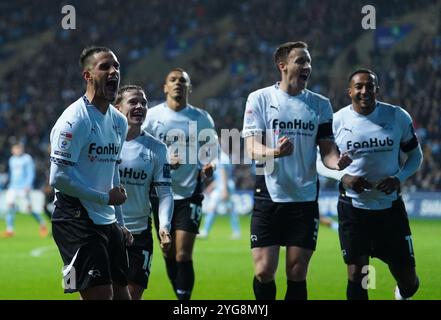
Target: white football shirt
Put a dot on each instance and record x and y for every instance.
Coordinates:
(144, 164)
(192, 131)
(90, 142)
(304, 118)
(373, 142)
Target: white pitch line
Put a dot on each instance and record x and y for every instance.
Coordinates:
(40, 250)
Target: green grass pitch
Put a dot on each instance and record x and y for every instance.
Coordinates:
(30, 267)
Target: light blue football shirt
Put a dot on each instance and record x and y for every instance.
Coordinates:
(21, 172)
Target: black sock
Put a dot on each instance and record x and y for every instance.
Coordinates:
(264, 291)
(409, 292)
(355, 291)
(184, 279)
(170, 264)
(296, 290)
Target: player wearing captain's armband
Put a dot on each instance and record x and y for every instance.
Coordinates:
(285, 123)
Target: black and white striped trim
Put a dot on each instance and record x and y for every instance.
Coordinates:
(61, 161)
(161, 183)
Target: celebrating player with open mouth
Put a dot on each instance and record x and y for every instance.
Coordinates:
(285, 123)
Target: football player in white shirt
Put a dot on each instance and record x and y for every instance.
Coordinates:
(192, 141)
(372, 216)
(87, 222)
(283, 124)
(144, 163)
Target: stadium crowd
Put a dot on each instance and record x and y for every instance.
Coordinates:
(34, 92)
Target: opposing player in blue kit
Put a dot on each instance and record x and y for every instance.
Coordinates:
(144, 164)
(372, 216)
(283, 125)
(222, 190)
(21, 179)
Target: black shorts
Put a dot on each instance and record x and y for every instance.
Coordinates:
(93, 255)
(284, 224)
(187, 214)
(384, 234)
(140, 258)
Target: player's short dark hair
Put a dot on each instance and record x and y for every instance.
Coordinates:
(363, 70)
(283, 51)
(176, 69)
(87, 53)
(126, 88)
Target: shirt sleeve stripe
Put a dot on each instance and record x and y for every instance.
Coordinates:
(61, 161)
(160, 183)
(255, 132)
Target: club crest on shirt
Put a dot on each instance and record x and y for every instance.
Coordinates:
(117, 128)
(65, 140)
(386, 126)
(145, 156)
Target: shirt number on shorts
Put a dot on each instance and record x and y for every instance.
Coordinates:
(409, 242)
(147, 262)
(316, 228)
(196, 213)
